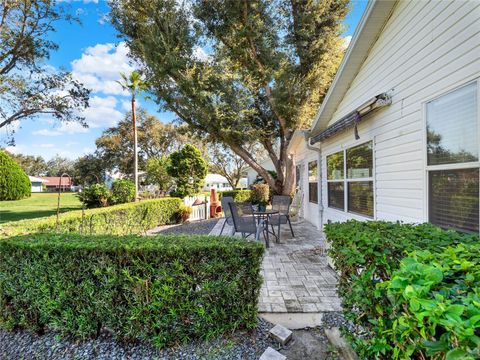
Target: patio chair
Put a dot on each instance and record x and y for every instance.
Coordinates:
(225, 200)
(281, 203)
(245, 223)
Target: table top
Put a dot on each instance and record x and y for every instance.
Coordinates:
(266, 212)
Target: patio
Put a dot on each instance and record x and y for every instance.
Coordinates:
(297, 278)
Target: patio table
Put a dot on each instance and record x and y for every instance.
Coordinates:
(265, 216)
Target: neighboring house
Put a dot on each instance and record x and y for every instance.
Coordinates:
(252, 175)
(397, 136)
(37, 184)
(216, 181)
(53, 183)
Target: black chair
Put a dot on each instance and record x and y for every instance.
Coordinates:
(245, 223)
(225, 200)
(281, 203)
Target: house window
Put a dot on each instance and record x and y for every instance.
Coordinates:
(313, 182)
(452, 160)
(350, 179)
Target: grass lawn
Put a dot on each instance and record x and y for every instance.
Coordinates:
(38, 205)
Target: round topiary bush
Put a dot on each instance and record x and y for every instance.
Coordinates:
(123, 191)
(14, 183)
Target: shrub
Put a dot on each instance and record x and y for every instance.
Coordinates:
(123, 191)
(165, 290)
(260, 194)
(436, 306)
(96, 195)
(239, 196)
(124, 219)
(366, 254)
(14, 183)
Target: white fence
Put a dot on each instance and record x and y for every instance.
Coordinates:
(200, 211)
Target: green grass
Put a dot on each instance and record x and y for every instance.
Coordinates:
(38, 205)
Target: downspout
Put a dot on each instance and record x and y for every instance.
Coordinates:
(320, 179)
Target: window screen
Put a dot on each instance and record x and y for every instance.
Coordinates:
(335, 166)
(452, 135)
(336, 195)
(454, 199)
(312, 182)
(360, 161)
(360, 197)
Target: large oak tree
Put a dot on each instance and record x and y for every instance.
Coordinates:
(242, 71)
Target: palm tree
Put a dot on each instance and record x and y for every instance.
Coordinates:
(134, 84)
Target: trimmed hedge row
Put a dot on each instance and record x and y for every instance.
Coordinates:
(124, 219)
(165, 290)
(239, 196)
(367, 254)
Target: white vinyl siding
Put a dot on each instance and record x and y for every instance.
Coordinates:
(426, 48)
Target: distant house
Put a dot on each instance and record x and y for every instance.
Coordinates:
(53, 183)
(37, 184)
(216, 181)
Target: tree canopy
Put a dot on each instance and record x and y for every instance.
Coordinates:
(241, 71)
(28, 87)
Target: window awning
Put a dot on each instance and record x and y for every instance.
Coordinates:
(353, 118)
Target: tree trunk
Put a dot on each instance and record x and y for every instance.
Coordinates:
(135, 147)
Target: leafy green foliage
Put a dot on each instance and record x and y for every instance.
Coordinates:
(96, 195)
(436, 305)
(239, 196)
(267, 70)
(367, 254)
(260, 194)
(124, 219)
(123, 191)
(189, 170)
(14, 183)
(157, 173)
(165, 290)
(32, 165)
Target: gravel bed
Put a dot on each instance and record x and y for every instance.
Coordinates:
(241, 345)
(200, 227)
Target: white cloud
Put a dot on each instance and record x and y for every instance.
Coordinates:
(16, 149)
(45, 146)
(200, 54)
(100, 66)
(127, 105)
(346, 41)
(64, 128)
(102, 112)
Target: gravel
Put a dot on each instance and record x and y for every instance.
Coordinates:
(201, 227)
(241, 345)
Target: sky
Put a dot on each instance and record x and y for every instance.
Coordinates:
(96, 57)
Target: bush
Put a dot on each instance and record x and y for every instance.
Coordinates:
(14, 183)
(366, 254)
(260, 194)
(165, 290)
(94, 196)
(239, 196)
(123, 191)
(436, 306)
(124, 219)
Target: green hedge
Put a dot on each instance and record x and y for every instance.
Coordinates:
(239, 196)
(366, 254)
(165, 290)
(124, 219)
(14, 183)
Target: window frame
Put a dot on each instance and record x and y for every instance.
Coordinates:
(347, 180)
(452, 166)
(316, 182)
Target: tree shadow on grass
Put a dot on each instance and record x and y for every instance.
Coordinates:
(8, 215)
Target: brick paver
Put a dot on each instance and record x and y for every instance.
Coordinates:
(296, 275)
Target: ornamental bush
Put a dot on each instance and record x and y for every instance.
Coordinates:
(366, 254)
(124, 219)
(96, 195)
(123, 191)
(164, 290)
(260, 194)
(14, 183)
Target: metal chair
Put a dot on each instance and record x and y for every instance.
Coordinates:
(245, 223)
(281, 203)
(225, 200)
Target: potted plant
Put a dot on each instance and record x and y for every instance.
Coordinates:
(185, 212)
(260, 195)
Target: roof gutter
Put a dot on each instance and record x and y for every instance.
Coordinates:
(353, 118)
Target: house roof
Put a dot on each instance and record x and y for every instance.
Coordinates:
(36, 179)
(55, 180)
(368, 30)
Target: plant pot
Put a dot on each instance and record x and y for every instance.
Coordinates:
(262, 207)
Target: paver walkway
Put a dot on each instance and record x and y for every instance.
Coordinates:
(297, 278)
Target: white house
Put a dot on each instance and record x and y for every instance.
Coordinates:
(216, 181)
(397, 136)
(37, 184)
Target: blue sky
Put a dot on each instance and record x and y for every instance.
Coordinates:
(93, 53)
